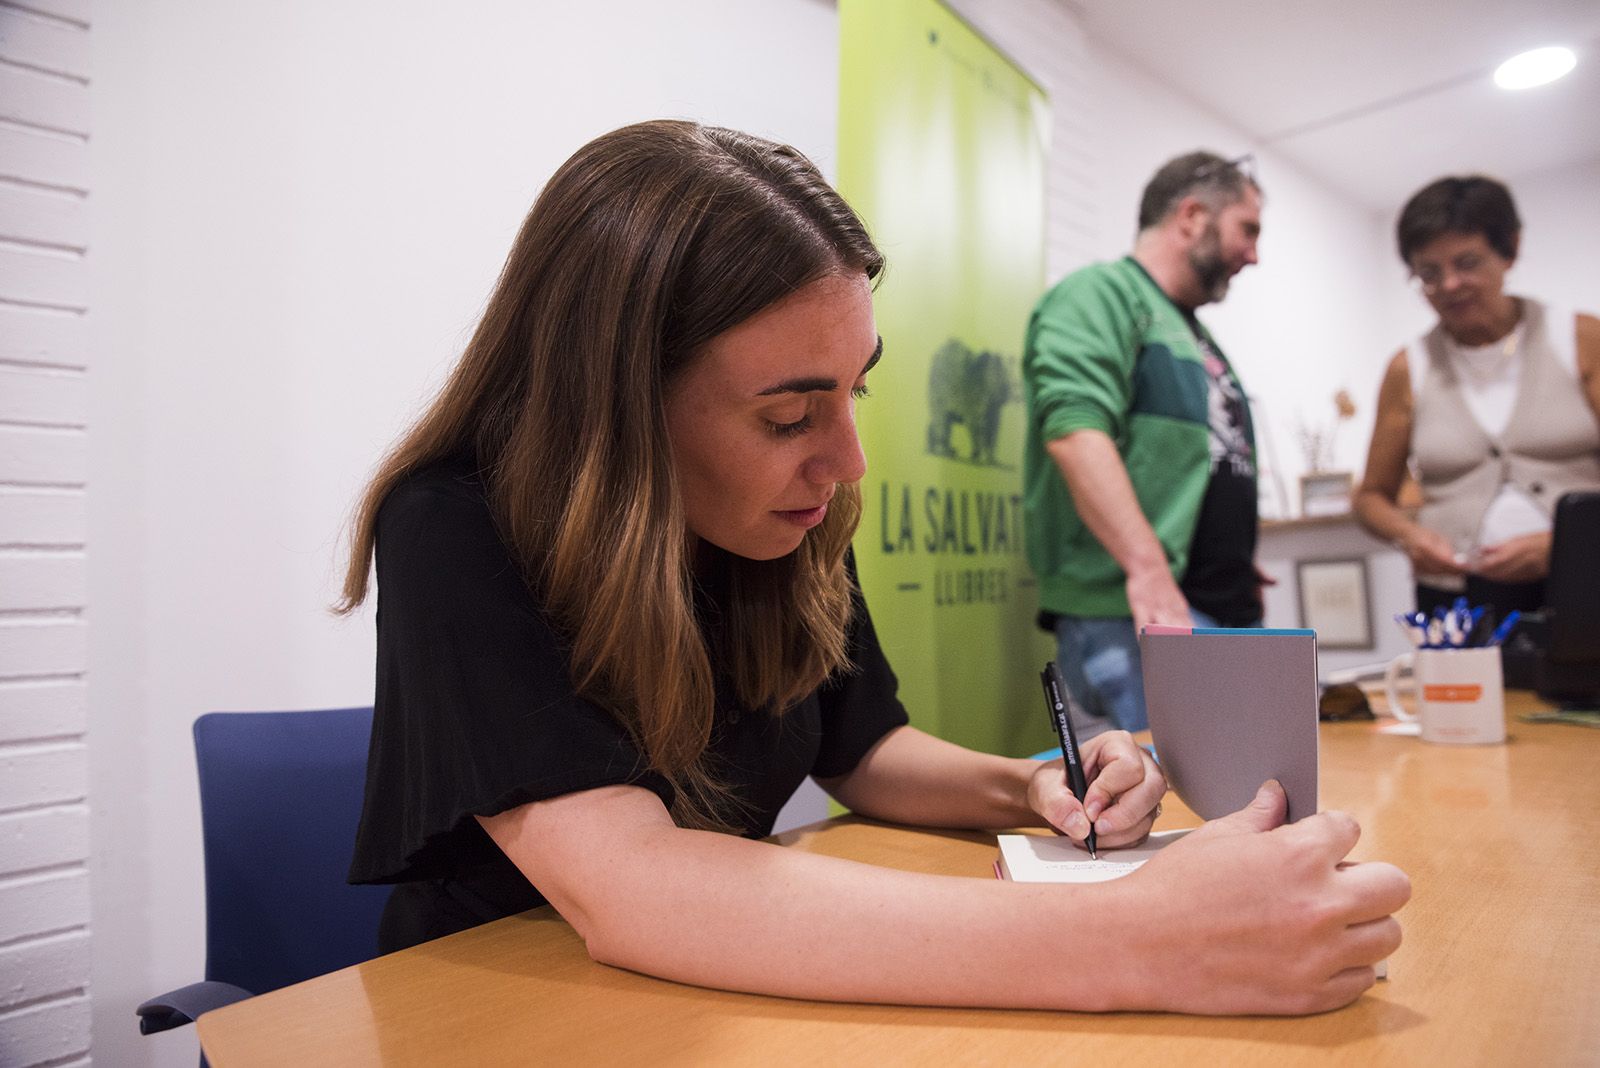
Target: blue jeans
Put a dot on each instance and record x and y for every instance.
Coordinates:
(1099, 661)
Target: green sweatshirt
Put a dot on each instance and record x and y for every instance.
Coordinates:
(1107, 350)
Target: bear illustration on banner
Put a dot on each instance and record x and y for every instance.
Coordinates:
(969, 388)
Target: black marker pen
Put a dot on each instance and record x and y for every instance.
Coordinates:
(1055, 703)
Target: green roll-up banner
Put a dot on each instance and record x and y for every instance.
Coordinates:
(942, 146)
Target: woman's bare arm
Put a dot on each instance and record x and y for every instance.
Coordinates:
(913, 777)
(1375, 499)
(1240, 918)
(1589, 360)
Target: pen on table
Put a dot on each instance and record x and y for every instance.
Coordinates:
(1055, 703)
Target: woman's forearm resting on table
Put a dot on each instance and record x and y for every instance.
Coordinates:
(1238, 917)
(726, 912)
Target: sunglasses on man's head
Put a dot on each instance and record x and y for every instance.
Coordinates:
(1244, 165)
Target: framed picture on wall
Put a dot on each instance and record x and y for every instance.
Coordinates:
(1336, 602)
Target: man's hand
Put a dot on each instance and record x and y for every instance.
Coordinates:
(1154, 597)
(1263, 580)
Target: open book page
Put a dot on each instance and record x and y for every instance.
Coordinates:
(1037, 858)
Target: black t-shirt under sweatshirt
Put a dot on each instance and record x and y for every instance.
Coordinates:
(475, 714)
(1220, 579)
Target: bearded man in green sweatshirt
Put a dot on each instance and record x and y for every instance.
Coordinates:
(1139, 473)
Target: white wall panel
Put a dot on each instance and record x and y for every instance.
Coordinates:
(42, 517)
(35, 774)
(45, 901)
(42, 276)
(73, 11)
(43, 838)
(45, 100)
(43, 216)
(51, 1032)
(44, 158)
(43, 336)
(42, 708)
(44, 967)
(44, 43)
(42, 646)
(43, 455)
(35, 580)
(44, 761)
(43, 396)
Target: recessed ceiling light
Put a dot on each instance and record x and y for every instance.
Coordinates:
(1535, 67)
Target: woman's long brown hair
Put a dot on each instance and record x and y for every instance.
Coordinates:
(646, 244)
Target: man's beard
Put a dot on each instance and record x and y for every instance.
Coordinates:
(1210, 269)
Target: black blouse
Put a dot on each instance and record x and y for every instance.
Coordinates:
(475, 715)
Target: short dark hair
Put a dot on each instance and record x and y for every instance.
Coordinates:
(1215, 180)
(1470, 205)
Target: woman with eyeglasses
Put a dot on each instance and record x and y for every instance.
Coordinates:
(618, 625)
(1496, 409)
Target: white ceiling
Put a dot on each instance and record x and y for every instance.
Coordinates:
(1375, 98)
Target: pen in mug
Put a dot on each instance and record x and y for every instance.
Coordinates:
(1475, 619)
(1461, 611)
(1055, 702)
(1452, 629)
(1504, 629)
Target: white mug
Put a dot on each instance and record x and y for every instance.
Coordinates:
(1461, 696)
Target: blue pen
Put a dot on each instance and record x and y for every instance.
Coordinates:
(1462, 612)
(1452, 630)
(1415, 634)
(1504, 628)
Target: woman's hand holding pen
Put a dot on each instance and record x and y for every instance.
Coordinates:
(1266, 918)
(1125, 790)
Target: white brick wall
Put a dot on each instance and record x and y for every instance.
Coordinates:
(44, 358)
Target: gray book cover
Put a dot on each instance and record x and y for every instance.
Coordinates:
(1230, 709)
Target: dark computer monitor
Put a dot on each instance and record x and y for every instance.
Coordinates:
(1569, 671)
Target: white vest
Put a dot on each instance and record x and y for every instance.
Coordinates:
(1550, 445)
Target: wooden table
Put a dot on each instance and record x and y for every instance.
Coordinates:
(1501, 961)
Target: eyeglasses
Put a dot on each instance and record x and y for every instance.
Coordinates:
(1430, 279)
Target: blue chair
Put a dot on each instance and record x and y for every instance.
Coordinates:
(280, 796)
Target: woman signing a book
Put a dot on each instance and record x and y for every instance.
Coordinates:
(618, 625)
